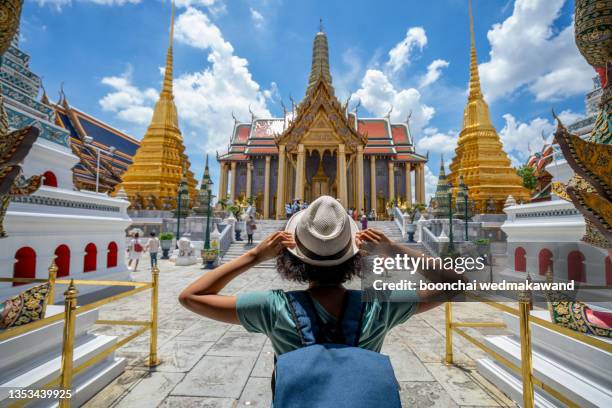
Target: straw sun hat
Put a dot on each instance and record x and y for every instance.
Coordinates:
(324, 233)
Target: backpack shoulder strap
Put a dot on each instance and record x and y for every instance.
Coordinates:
(304, 316)
(352, 317)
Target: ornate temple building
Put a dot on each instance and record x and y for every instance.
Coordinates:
(115, 147)
(151, 181)
(83, 232)
(479, 156)
(321, 148)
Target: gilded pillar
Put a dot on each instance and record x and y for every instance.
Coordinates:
(423, 183)
(341, 175)
(359, 179)
(300, 173)
(266, 209)
(420, 182)
(408, 184)
(233, 182)
(280, 190)
(223, 181)
(249, 178)
(391, 176)
(372, 183)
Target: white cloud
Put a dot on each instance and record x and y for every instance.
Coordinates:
(377, 94)
(434, 70)
(205, 99)
(431, 182)
(60, 3)
(399, 56)
(257, 17)
(437, 142)
(528, 53)
(127, 101)
(520, 137)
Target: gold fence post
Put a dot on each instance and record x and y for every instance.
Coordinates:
(448, 312)
(153, 360)
(51, 295)
(70, 305)
(526, 366)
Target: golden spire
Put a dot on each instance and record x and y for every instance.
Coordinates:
(164, 113)
(479, 157)
(475, 92)
(167, 86)
(160, 163)
(320, 60)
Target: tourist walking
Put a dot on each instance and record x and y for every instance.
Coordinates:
(153, 247)
(364, 222)
(311, 329)
(288, 210)
(135, 249)
(250, 229)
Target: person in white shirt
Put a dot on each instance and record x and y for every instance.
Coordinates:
(136, 250)
(153, 246)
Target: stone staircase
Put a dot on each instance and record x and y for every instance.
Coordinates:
(266, 227)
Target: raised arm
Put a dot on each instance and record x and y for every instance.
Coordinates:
(202, 296)
(428, 298)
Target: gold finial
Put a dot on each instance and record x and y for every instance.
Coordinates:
(475, 92)
(167, 87)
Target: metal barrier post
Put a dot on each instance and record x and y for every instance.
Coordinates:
(448, 311)
(153, 360)
(526, 365)
(70, 305)
(52, 277)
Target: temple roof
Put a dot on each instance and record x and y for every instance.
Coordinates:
(104, 136)
(321, 110)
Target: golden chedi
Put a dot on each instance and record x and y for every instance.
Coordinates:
(151, 181)
(479, 156)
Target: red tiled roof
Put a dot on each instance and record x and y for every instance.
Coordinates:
(410, 158)
(262, 150)
(242, 134)
(373, 128)
(379, 150)
(400, 134)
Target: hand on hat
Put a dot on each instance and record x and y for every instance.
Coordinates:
(371, 235)
(272, 245)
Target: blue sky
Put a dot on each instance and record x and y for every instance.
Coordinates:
(411, 54)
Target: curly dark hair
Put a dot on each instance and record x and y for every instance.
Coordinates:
(292, 268)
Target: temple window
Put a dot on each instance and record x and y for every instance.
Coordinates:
(49, 179)
(90, 259)
(545, 259)
(520, 260)
(575, 266)
(111, 255)
(62, 260)
(25, 267)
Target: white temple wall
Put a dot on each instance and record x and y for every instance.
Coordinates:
(49, 156)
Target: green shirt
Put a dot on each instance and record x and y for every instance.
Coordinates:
(268, 313)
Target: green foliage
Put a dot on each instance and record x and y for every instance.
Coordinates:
(235, 209)
(527, 173)
(166, 236)
(223, 202)
(483, 241)
(413, 210)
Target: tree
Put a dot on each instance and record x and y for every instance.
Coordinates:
(527, 173)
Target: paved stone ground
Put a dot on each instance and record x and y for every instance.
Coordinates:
(210, 364)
